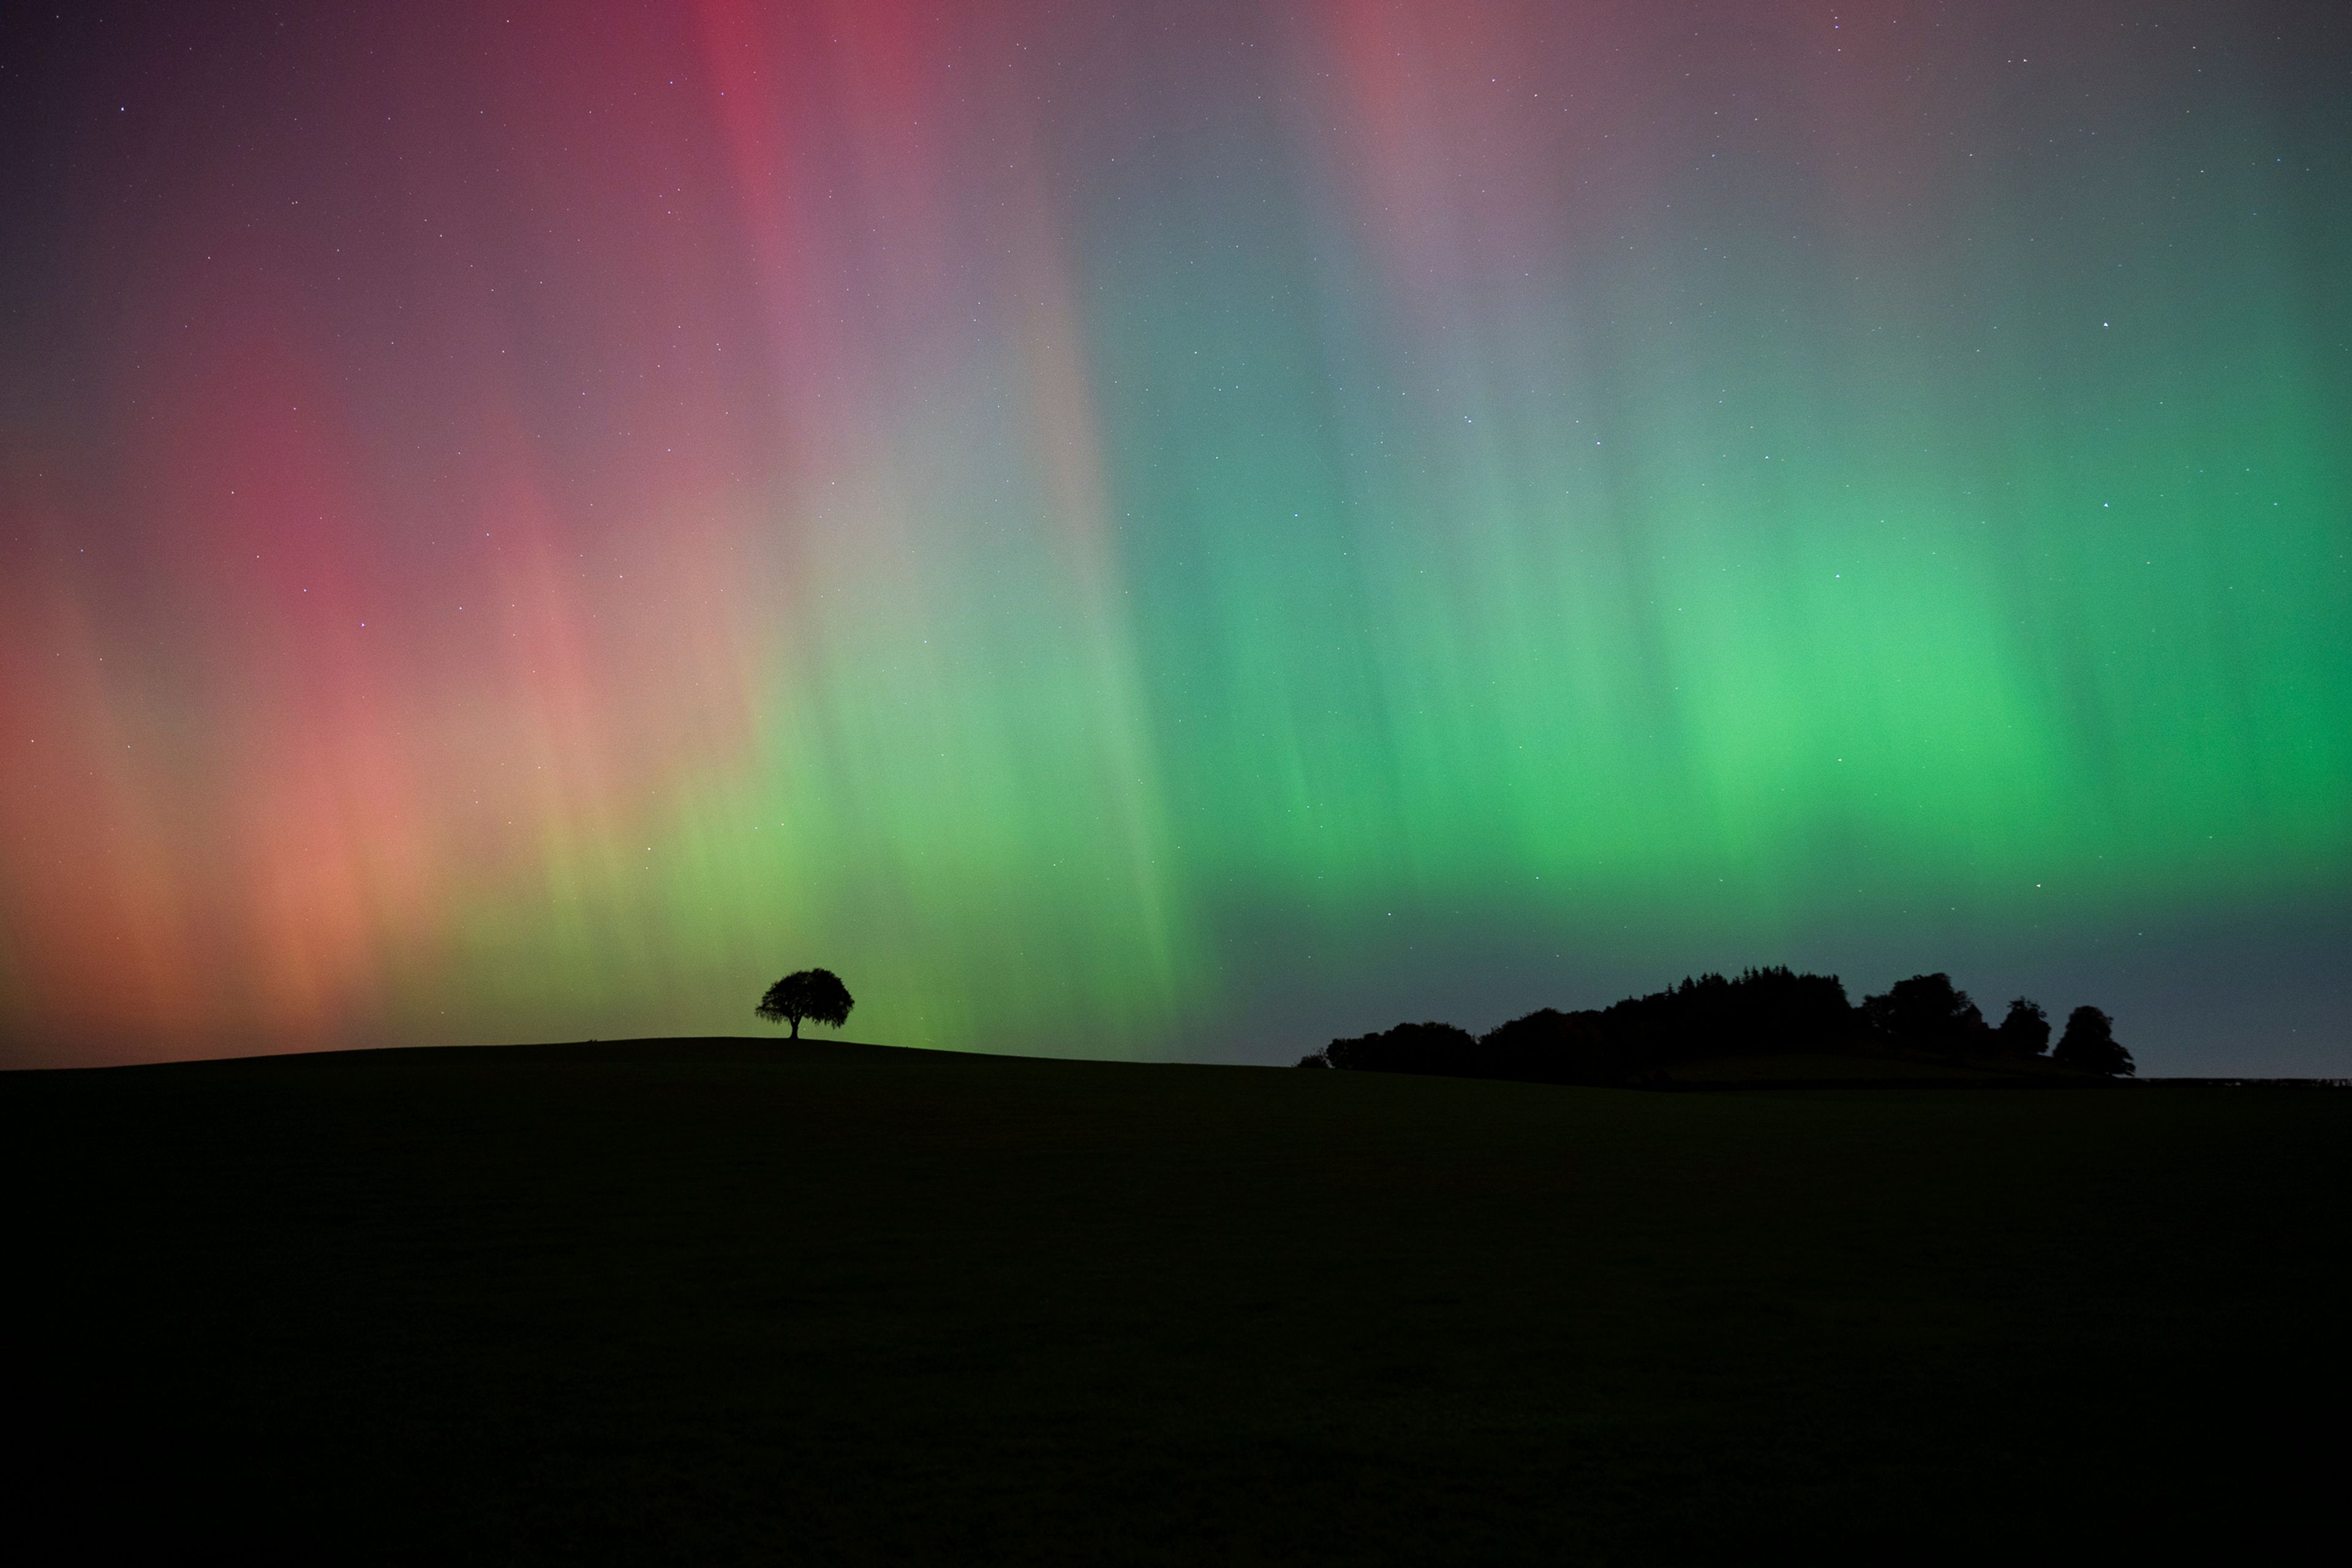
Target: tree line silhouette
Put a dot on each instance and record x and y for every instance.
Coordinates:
(1762, 1012)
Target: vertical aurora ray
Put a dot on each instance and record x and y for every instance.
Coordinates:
(1138, 534)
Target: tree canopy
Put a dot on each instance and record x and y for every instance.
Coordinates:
(2089, 1044)
(1759, 1011)
(2025, 1032)
(814, 994)
(1927, 1012)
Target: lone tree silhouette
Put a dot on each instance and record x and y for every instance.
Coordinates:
(816, 994)
(2089, 1043)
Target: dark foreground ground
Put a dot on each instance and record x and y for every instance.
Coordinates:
(722, 1301)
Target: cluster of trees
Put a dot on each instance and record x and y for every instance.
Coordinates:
(1929, 1011)
(1761, 1012)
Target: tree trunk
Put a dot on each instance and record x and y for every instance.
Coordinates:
(796, 1028)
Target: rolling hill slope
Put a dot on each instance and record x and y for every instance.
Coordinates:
(734, 1300)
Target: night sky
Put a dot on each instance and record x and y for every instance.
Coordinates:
(1170, 531)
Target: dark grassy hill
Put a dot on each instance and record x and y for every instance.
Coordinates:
(1878, 1068)
(732, 1300)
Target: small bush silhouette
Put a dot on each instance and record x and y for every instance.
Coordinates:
(2089, 1044)
(2025, 1032)
(815, 994)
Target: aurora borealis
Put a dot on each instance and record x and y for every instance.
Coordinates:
(1168, 530)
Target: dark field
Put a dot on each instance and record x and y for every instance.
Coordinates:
(719, 1300)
